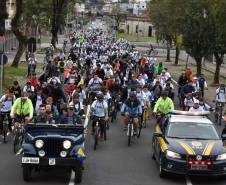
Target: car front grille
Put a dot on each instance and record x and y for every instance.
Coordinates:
(53, 146)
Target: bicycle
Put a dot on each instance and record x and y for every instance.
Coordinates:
(97, 131)
(5, 126)
(130, 130)
(145, 116)
(218, 113)
(18, 136)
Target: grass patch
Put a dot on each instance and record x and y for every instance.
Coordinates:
(11, 74)
(43, 51)
(20, 74)
(45, 39)
(134, 38)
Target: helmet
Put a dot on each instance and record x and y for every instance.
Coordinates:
(164, 93)
(100, 95)
(132, 95)
(75, 95)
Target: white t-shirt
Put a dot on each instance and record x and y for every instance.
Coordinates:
(38, 103)
(220, 95)
(99, 108)
(6, 103)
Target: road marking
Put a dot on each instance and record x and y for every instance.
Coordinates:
(72, 182)
(188, 180)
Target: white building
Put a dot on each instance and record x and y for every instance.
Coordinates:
(138, 25)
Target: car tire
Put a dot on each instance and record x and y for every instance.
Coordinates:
(78, 175)
(153, 153)
(162, 173)
(27, 173)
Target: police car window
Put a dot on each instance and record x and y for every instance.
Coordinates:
(192, 131)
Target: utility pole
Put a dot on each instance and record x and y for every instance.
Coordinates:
(2, 38)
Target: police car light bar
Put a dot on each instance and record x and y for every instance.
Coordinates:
(179, 112)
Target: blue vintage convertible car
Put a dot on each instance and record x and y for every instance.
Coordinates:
(52, 145)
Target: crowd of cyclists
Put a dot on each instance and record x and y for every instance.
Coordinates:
(109, 75)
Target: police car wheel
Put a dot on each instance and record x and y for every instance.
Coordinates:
(162, 173)
(153, 153)
(26, 172)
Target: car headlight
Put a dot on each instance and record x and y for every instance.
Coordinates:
(221, 157)
(39, 143)
(67, 144)
(173, 154)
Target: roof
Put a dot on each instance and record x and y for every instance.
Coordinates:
(192, 119)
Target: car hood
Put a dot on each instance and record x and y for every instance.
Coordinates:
(196, 147)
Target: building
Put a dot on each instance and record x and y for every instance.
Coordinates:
(138, 25)
(135, 7)
(11, 9)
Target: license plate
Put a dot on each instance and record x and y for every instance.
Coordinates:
(52, 161)
(30, 160)
(199, 167)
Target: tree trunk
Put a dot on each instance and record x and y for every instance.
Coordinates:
(219, 61)
(20, 51)
(21, 37)
(177, 55)
(57, 16)
(198, 66)
(168, 52)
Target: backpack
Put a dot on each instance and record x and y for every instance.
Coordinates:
(201, 82)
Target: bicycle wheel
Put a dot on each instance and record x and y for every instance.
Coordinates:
(5, 130)
(96, 135)
(17, 143)
(129, 134)
(139, 130)
(105, 131)
(145, 118)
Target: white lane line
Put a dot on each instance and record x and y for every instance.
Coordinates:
(71, 182)
(188, 180)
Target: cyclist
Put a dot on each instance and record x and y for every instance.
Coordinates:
(163, 105)
(6, 103)
(220, 94)
(22, 108)
(99, 109)
(78, 106)
(132, 109)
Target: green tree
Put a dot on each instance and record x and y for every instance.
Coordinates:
(167, 17)
(218, 13)
(29, 15)
(198, 33)
(118, 15)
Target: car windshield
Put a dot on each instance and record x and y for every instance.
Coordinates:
(186, 130)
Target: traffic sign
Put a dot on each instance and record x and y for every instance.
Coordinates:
(3, 59)
(32, 45)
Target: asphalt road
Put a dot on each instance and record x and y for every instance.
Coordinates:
(114, 163)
